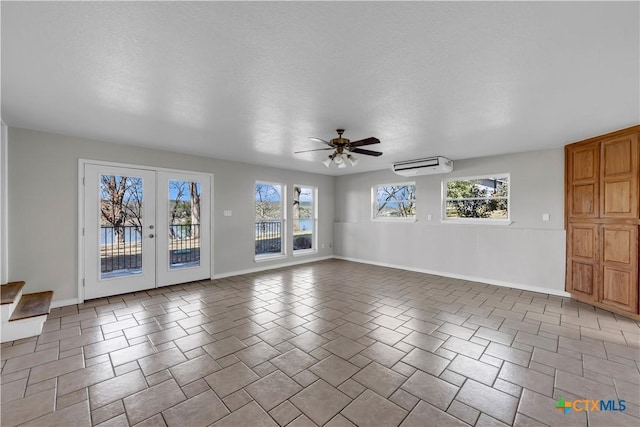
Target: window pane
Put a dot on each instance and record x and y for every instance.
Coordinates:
(184, 224)
(395, 201)
(268, 237)
(492, 209)
(268, 201)
(303, 218)
(303, 234)
(478, 198)
(269, 223)
(303, 203)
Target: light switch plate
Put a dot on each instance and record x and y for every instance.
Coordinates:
(227, 213)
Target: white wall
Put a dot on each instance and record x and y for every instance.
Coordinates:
(529, 253)
(43, 206)
(4, 242)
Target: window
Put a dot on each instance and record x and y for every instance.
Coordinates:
(270, 216)
(304, 219)
(480, 198)
(395, 201)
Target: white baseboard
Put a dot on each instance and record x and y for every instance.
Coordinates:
(270, 267)
(463, 277)
(73, 301)
(64, 302)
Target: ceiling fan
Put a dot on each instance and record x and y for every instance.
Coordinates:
(342, 149)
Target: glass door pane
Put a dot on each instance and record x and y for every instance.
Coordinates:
(184, 223)
(121, 201)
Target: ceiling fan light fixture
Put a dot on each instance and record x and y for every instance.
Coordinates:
(342, 147)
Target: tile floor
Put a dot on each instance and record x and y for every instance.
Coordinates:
(330, 343)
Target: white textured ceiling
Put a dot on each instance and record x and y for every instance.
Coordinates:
(251, 81)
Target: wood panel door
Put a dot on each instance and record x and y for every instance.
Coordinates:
(583, 260)
(619, 177)
(583, 173)
(619, 266)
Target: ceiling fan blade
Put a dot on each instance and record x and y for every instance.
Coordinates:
(320, 140)
(366, 152)
(366, 141)
(316, 149)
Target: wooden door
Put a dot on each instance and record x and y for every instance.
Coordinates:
(583, 173)
(619, 177)
(619, 266)
(583, 260)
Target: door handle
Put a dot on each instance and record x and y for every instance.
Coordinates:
(151, 236)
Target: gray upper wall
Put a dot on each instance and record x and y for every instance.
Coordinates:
(529, 253)
(537, 187)
(43, 205)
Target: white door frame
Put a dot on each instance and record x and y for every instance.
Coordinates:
(82, 219)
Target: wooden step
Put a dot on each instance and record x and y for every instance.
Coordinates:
(32, 305)
(9, 291)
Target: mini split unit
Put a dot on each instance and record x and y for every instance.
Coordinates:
(429, 166)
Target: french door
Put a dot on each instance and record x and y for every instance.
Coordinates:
(183, 210)
(144, 228)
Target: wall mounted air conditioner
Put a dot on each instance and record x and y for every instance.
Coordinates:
(429, 166)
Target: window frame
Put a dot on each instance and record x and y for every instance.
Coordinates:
(283, 222)
(374, 203)
(486, 221)
(314, 217)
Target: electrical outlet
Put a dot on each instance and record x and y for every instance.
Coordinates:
(545, 217)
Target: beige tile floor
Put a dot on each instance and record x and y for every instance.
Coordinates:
(330, 343)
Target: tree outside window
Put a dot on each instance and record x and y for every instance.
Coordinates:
(395, 201)
(120, 203)
(478, 197)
